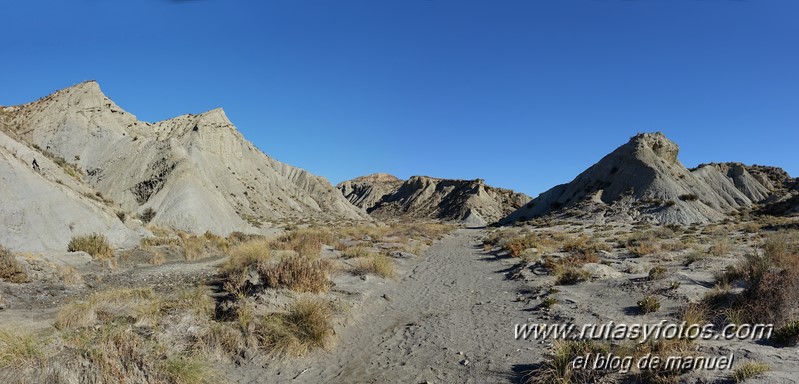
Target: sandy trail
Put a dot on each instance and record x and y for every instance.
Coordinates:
(449, 319)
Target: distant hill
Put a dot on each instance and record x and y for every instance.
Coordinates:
(421, 197)
(643, 180)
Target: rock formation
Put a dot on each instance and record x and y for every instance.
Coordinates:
(196, 172)
(644, 180)
(420, 197)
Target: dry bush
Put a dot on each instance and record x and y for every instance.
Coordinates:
(570, 275)
(377, 264)
(157, 258)
(749, 370)
(517, 245)
(237, 237)
(122, 335)
(771, 282)
(70, 276)
(643, 249)
(558, 367)
(19, 349)
(361, 232)
(160, 231)
(773, 298)
(693, 257)
(788, 334)
(782, 248)
(357, 251)
(695, 313)
(104, 307)
(661, 349)
(751, 227)
(10, 269)
(720, 247)
(585, 247)
(188, 370)
(657, 272)
(147, 215)
(649, 304)
(193, 246)
(251, 250)
(306, 326)
(160, 241)
(306, 242)
(642, 243)
(297, 273)
(94, 244)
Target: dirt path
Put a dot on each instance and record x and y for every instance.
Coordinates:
(449, 319)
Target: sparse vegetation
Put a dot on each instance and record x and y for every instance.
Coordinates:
(657, 272)
(377, 264)
(147, 215)
(94, 244)
(788, 334)
(689, 197)
(570, 275)
(771, 282)
(177, 337)
(720, 247)
(749, 370)
(307, 242)
(558, 367)
(357, 251)
(649, 304)
(10, 269)
(297, 273)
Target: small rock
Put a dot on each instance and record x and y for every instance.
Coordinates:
(386, 297)
(401, 255)
(601, 271)
(464, 362)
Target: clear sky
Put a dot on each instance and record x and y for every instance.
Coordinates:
(523, 93)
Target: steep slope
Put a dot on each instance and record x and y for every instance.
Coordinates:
(785, 204)
(421, 197)
(366, 191)
(643, 180)
(196, 171)
(42, 211)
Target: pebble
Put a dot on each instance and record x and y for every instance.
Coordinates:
(464, 362)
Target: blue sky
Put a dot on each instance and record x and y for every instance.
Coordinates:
(523, 93)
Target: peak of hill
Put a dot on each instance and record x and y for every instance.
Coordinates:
(644, 180)
(376, 177)
(196, 171)
(422, 197)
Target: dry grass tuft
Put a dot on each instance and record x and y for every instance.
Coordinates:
(649, 304)
(377, 264)
(297, 273)
(558, 367)
(19, 349)
(70, 276)
(306, 326)
(749, 370)
(307, 242)
(10, 270)
(95, 244)
(357, 251)
(720, 247)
